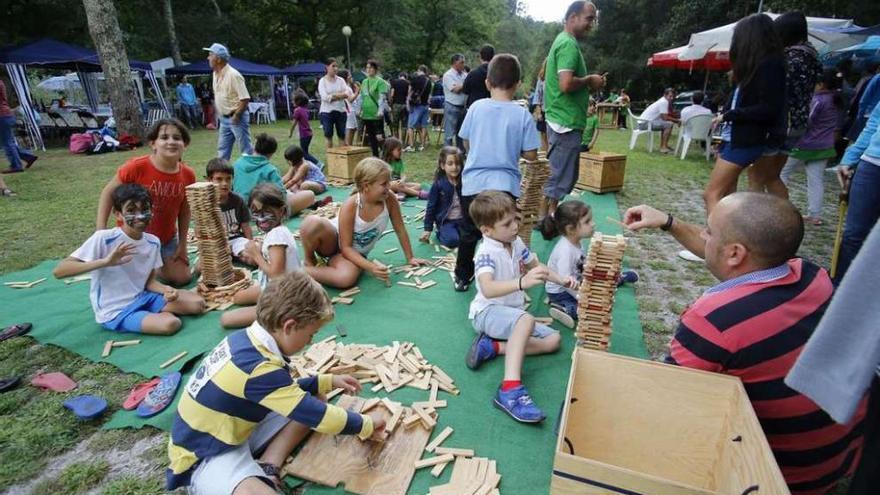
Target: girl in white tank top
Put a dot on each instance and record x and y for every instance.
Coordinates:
(346, 251)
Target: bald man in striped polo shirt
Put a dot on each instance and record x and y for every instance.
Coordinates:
(754, 324)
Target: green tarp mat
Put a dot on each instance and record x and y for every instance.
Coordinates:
(435, 319)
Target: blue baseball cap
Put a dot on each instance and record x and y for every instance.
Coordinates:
(219, 50)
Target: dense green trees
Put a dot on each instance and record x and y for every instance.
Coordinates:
(405, 33)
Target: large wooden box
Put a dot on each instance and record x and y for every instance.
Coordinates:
(601, 171)
(342, 160)
(634, 426)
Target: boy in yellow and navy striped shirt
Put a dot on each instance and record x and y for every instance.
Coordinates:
(242, 402)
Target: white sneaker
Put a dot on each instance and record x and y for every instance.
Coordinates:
(420, 149)
(689, 256)
(408, 149)
(561, 316)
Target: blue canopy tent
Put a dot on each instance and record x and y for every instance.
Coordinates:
(246, 68)
(305, 69)
(51, 54)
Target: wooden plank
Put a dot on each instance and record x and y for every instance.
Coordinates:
(108, 346)
(369, 404)
(454, 451)
(432, 461)
(427, 420)
(439, 439)
(435, 387)
(173, 359)
(438, 469)
(126, 343)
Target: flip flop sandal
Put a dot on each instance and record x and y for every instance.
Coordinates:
(16, 330)
(86, 407)
(57, 382)
(7, 384)
(138, 393)
(160, 397)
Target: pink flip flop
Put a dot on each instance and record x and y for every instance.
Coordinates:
(57, 382)
(137, 394)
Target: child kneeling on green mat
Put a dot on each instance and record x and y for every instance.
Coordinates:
(241, 414)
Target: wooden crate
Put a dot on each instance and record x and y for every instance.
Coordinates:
(634, 426)
(342, 160)
(601, 171)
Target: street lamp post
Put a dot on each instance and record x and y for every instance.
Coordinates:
(346, 31)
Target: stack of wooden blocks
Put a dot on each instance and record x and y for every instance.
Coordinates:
(596, 298)
(210, 234)
(535, 175)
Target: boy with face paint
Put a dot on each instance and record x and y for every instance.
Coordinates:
(124, 261)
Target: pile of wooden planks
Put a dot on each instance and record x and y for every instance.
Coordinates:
(414, 274)
(596, 296)
(210, 232)
(328, 211)
(220, 298)
(470, 476)
(387, 367)
(535, 175)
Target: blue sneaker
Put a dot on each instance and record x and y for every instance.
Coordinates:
(518, 404)
(481, 351)
(627, 277)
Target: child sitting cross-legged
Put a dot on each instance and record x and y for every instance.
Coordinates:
(241, 414)
(275, 255)
(235, 213)
(251, 170)
(303, 175)
(444, 200)
(503, 327)
(573, 220)
(346, 241)
(124, 261)
(392, 153)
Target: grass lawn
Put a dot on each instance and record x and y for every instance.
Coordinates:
(55, 212)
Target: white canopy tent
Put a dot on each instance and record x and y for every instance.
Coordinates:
(718, 39)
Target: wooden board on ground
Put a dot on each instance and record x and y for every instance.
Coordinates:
(393, 466)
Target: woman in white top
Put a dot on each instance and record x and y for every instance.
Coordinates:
(334, 93)
(345, 243)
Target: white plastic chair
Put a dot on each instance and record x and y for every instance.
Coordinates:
(695, 128)
(633, 124)
(263, 114)
(154, 115)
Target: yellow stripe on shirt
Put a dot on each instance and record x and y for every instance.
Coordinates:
(228, 429)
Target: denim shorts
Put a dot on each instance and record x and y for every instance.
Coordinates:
(220, 474)
(497, 321)
(741, 157)
(169, 248)
(418, 117)
(131, 318)
(331, 120)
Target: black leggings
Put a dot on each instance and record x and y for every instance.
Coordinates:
(469, 236)
(375, 131)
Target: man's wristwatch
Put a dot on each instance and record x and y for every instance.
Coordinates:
(668, 223)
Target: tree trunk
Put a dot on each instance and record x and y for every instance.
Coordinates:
(107, 37)
(168, 14)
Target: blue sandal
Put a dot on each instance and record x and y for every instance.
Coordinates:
(160, 397)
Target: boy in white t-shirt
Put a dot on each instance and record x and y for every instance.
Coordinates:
(504, 268)
(125, 294)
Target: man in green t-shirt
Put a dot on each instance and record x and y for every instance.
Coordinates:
(373, 89)
(566, 95)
